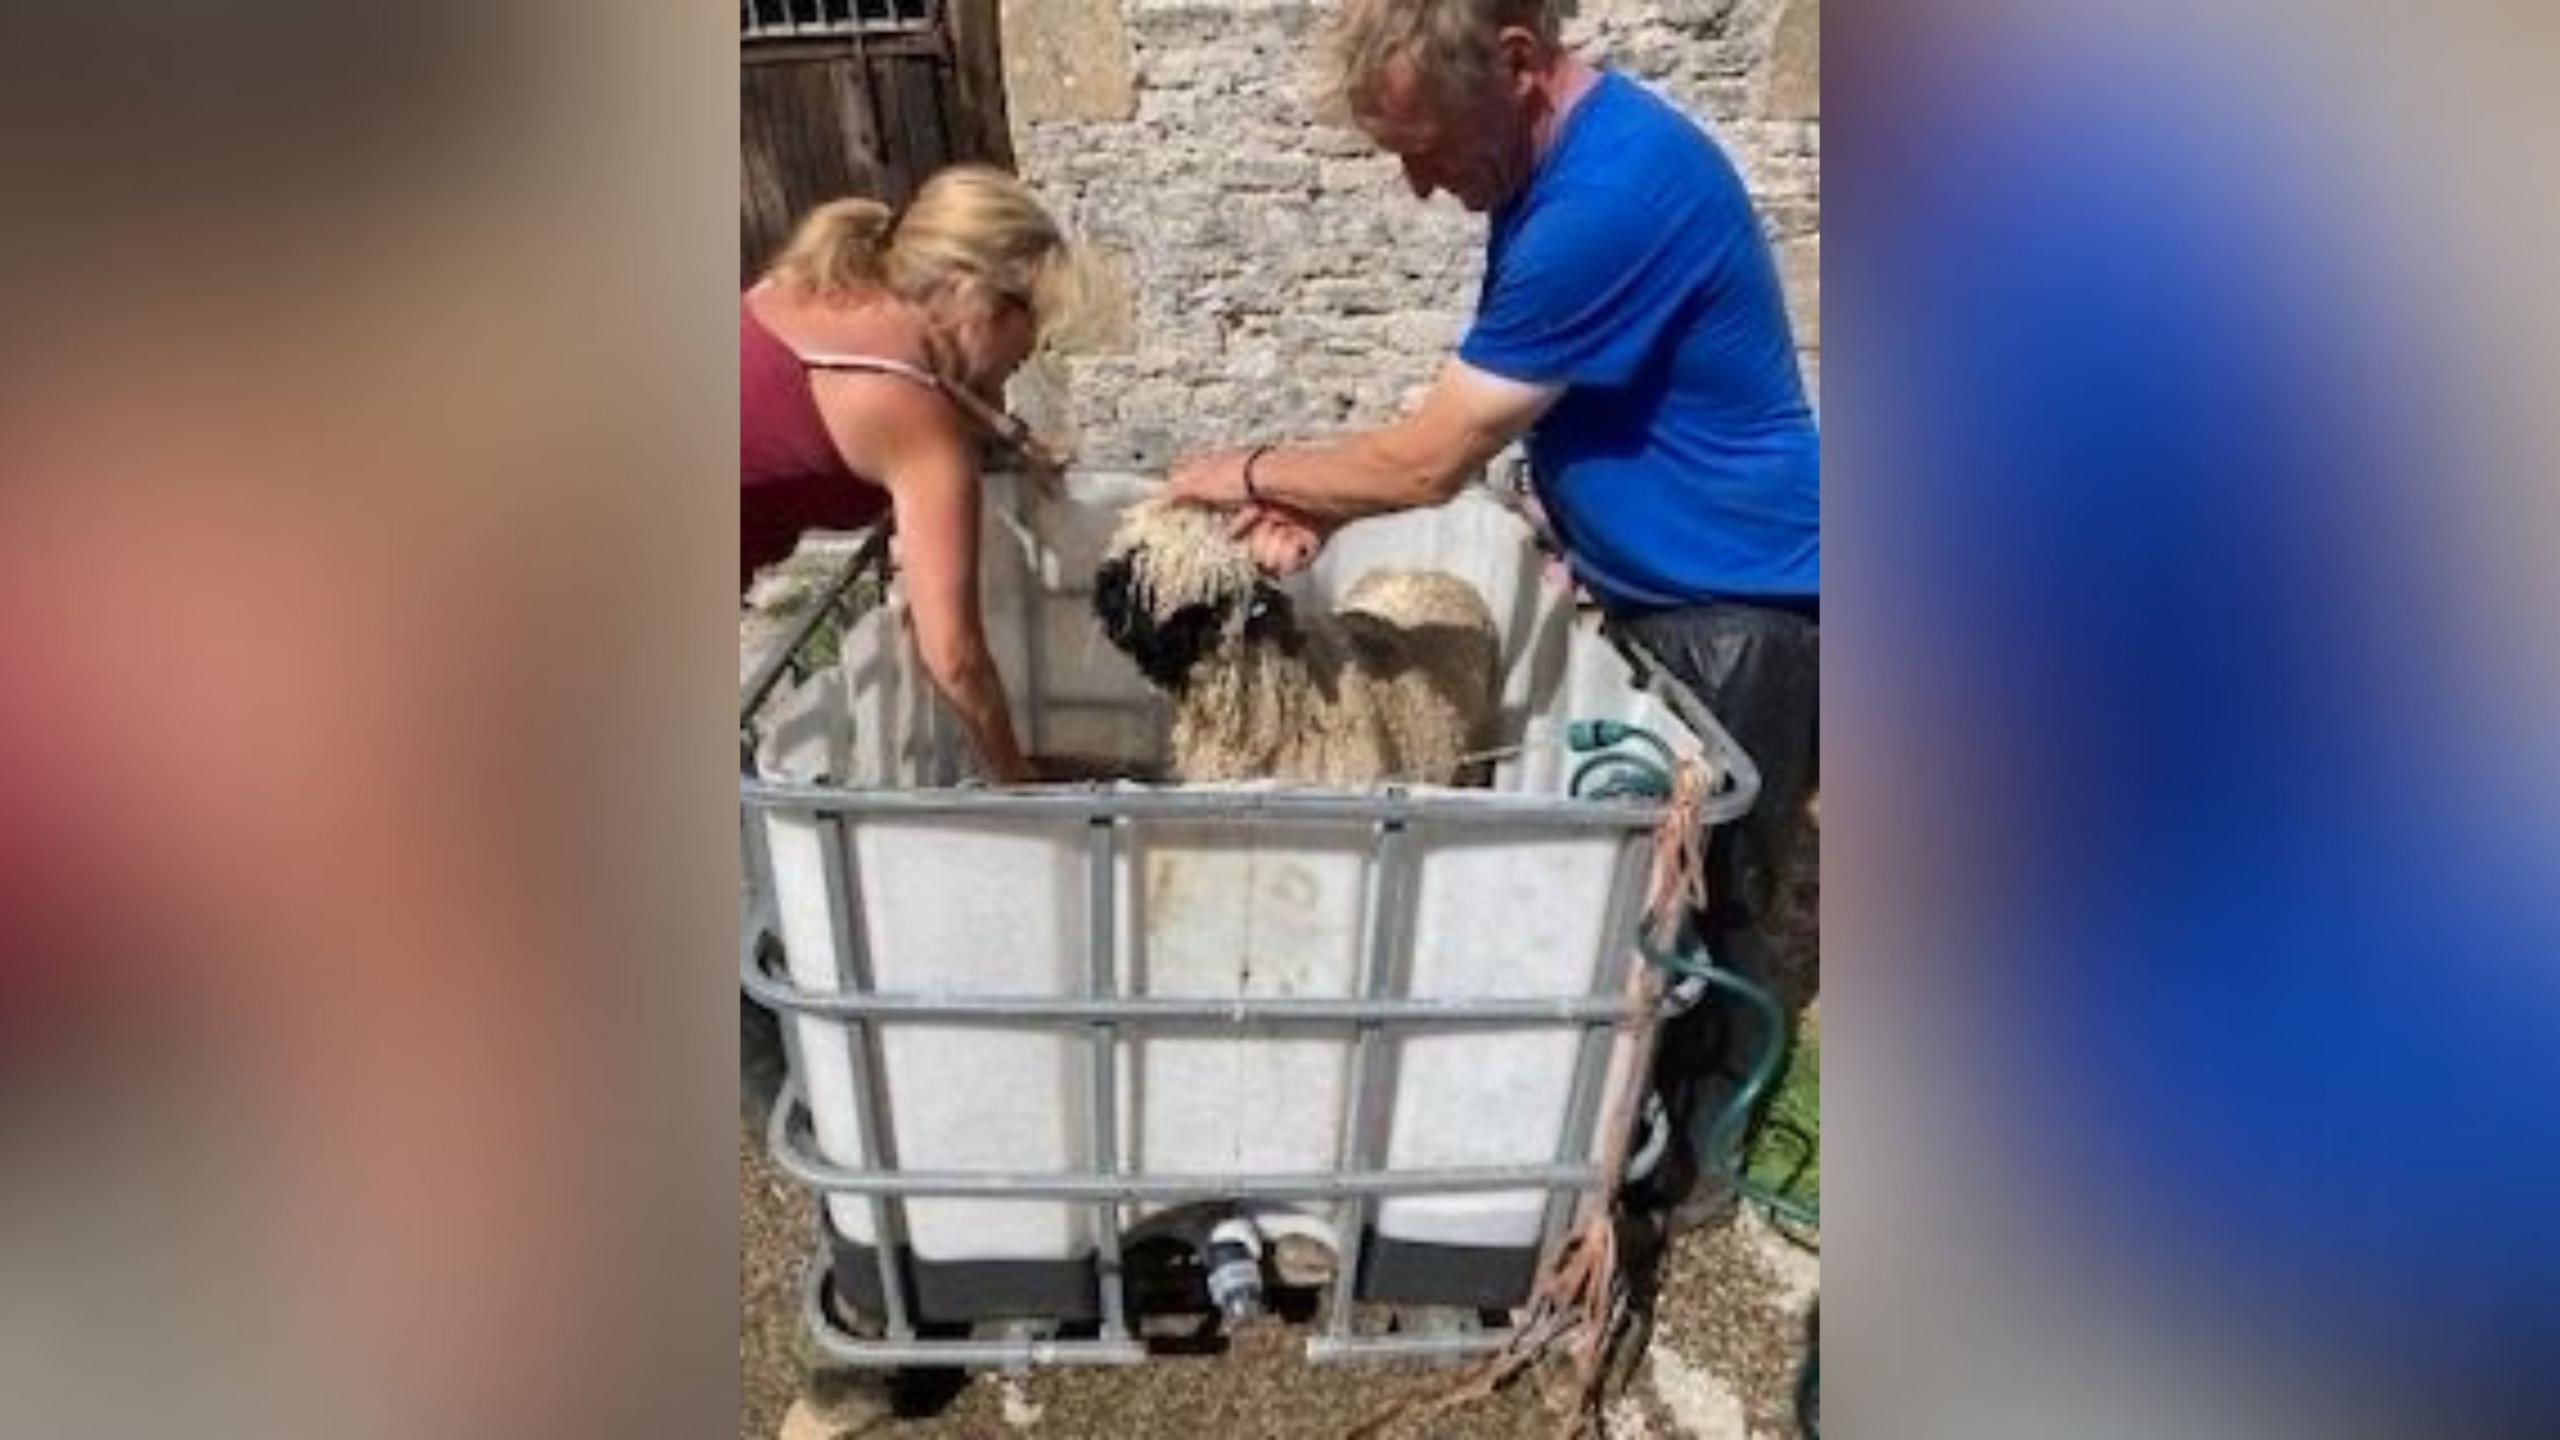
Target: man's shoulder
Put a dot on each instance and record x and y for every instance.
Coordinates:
(1632, 137)
(1634, 185)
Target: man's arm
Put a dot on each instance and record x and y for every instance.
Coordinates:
(1464, 420)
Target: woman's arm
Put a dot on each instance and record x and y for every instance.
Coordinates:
(909, 438)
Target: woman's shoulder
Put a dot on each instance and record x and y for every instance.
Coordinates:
(883, 419)
(820, 328)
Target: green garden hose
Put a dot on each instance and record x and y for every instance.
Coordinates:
(1719, 1139)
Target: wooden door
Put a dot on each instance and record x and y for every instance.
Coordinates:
(858, 97)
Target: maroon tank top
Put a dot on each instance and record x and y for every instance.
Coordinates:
(791, 477)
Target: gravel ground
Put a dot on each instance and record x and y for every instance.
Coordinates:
(1734, 1307)
(774, 1237)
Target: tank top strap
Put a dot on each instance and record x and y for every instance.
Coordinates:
(1008, 429)
(876, 364)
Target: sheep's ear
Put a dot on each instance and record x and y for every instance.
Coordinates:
(1115, 599)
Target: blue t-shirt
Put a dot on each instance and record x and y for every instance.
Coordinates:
(1681, 463)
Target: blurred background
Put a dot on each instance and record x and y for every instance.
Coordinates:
(366, 845)
(2192, 789)
(365, 418)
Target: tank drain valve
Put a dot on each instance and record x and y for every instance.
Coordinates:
(1233, 1258)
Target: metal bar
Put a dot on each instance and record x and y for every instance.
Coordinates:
(1089, 1186)
(1741, 775)
(1591, 1065)
(1210, 803)
(849, 1349)
(1100, 978)
(1377, 973)
(835, 29)
(980, 1354)
(888, 1212)
(1339, 1349)
(798, 1160)
(1152, 1011)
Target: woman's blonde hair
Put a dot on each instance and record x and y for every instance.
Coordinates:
(970, 225)
(1449, 43)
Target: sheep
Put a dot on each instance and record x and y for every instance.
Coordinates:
(1397, 684)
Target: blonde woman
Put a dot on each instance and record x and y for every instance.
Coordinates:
(868, 358)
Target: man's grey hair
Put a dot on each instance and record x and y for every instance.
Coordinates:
(1449, 44)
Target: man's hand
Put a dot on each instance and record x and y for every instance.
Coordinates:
(1214, 477)
(1282, 542)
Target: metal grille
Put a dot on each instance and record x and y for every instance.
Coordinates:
(798, 19)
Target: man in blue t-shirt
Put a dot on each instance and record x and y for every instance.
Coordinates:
(1632, 328)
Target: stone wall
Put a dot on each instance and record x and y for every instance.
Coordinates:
(1265, 275)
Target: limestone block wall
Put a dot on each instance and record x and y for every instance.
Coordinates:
(1265, 274)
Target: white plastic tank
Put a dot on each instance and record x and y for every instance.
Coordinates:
(997, 905)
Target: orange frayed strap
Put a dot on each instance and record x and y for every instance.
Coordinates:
(1679, 855)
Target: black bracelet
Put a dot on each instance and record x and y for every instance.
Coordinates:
(1252, 494)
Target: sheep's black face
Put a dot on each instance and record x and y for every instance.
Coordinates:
(1269, 619)
(1166, 647)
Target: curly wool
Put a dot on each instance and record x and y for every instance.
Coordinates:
(1397, 684)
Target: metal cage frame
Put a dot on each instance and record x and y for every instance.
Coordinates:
(1105, 1013)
